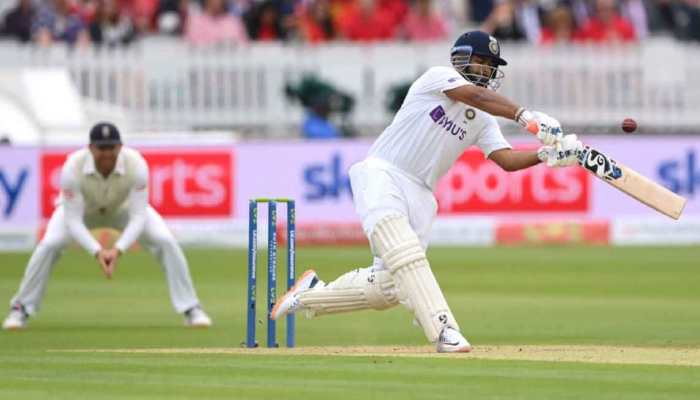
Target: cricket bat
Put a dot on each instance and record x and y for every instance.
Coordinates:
(631, 182)
(627, 180)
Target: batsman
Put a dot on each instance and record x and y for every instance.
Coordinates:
(446, 110)
(105, 185)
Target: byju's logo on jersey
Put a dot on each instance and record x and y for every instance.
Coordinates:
(438, 116)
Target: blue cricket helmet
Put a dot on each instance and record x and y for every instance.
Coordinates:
(481, 44)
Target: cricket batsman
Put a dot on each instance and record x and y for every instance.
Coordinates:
(446, 110)
(105, 185)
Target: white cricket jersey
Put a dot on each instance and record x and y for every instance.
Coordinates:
(85, 193)
(431, 131)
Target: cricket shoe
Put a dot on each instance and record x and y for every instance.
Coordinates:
(16, 319)
(289, 303)
(195, 317)
(451, 341)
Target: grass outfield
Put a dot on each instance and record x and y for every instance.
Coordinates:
(516, 298)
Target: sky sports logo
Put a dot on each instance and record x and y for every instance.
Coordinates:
(681, 175)
(11, 185)
(438, 116)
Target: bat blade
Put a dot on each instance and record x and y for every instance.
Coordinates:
(632, 183)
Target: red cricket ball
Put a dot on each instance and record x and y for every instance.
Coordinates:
(629, 125)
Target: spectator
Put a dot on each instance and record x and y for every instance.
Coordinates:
(560, 26)
(423, 24)
(453, 14)
(514, 20)
(18, 21)
(111, 27)
(607, 25)
(397, 9)
(660, 15)
(171, 17)
(57, 21)
(480, 10)
(635, 12)
(86, 10)
(362, 20)
(265, 22)
(686, 18)
(214, 25)
(239, 7)
(321, 99)
(316, 22)
(317, 125)
(141, 12)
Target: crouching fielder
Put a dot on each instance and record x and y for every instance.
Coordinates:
(105, 185)
(446, 110)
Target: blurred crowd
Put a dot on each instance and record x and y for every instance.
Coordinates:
(120, 22)
(598, 21)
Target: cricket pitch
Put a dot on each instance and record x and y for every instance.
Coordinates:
(677, 356)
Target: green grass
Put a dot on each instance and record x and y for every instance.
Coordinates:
(560, 295)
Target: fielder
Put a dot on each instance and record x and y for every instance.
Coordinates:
(446, 110)
(105, 185)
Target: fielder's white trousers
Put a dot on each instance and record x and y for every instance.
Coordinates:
(156, 237)
(380, 189)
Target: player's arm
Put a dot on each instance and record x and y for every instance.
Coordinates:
(548, 129)
(137, 204)
(563, 154)
(484, 99)
(74, 210)
(514, 160)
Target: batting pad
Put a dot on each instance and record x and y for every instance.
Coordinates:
(398, 246)
(360, 289)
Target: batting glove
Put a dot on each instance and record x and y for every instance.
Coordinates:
(548, 129)
(564, 153)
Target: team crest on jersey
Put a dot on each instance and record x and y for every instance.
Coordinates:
(470, 114)
(493, 45)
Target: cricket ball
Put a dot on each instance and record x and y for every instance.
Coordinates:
(629, 125)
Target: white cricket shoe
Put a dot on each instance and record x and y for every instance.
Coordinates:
(195, 317)
(16, 319)
(289, 303)
(451, 341)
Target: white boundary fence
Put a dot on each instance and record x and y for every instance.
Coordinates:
(165, 84)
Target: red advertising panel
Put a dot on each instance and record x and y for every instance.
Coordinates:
(553, 232)
(51, 164)
(182, 184)
(191, 184)
(475, 184)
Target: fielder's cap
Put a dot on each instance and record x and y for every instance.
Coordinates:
(105, 133)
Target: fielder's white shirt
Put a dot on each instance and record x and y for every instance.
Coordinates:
(86, 194)
(431, 131)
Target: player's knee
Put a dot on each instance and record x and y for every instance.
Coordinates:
(381, 292)
(396, 243)
(163, 240)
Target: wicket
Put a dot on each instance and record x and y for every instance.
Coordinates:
(271, 267)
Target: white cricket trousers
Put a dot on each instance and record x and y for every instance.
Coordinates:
(156, 237)
(381, 189)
